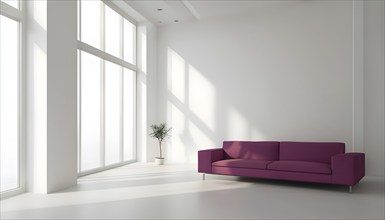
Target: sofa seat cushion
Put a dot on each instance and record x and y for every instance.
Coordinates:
(242, 163)
(300, 166)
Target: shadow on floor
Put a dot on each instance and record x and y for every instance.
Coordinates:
(368, 185)
(133, 180)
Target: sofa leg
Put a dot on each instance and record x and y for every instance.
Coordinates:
(350, 189)
(204, 176)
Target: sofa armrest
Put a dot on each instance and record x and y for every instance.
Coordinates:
(348, 168)
(207, 157)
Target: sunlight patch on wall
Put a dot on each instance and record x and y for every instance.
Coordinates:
(202, 97)
(143, 48)
(176, 146)
(40, 115)
(190, 109)
(143, 117)
(40, 13)
(176, 75)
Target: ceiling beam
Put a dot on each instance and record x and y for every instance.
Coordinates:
(191, 8)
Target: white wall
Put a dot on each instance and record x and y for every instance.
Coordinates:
(152, 104)
(284, 73)
(146, 89)
(62, 94)
(374, 93)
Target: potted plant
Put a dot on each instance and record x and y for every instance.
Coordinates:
(160, 132)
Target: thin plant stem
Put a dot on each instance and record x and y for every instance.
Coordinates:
(160, 149)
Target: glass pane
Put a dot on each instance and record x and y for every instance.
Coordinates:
(112, 112)
(90, 111)
(13, 3)
(9, 103)
(113, 21)
(90, 22)
(129, 41)
(79, 116)
(129, 83)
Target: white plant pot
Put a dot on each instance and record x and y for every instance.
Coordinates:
(159, 160)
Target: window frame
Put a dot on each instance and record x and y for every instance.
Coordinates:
(18, 15)
(104, 56)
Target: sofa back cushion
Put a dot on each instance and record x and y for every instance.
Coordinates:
(251, 150)
(310, 151)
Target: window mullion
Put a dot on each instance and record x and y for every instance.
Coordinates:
(11, 12)
(135, 58)
(121, 91)
(79, 110)
(19, 101)
(106, 56)
(22, 97)
(121, 129)
(102, 89)
(79, 89)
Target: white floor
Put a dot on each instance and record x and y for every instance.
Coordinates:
(148, 191)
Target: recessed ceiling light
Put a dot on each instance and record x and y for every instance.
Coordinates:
(176, 20)
(160, 9)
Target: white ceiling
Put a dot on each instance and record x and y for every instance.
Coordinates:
(190, 10)
(171, 10)
(231, 8)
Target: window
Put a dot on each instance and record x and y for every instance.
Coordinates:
(90, 23)
(112, 112)
(13, 3)
(10, 35)
(113, 32)
(107, 79)
(90, 111)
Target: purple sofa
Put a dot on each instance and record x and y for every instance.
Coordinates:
(321, 162)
